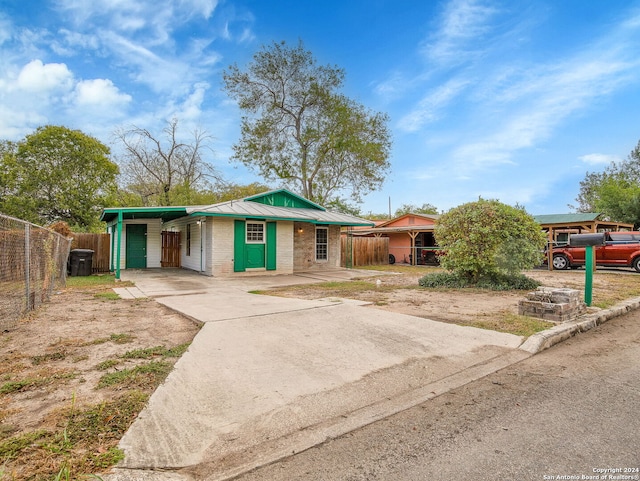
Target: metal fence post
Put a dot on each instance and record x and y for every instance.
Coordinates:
(27, 265)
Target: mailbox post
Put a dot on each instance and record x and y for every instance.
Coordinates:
(588, 241)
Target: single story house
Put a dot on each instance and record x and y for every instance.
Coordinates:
(276, 232)
(411, 238)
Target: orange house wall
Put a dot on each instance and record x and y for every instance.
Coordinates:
(400, 246)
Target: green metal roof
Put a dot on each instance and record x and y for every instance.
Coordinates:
(276, 205)
(128, 213)
(566, 218)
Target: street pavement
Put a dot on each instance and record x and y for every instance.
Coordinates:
(267, 377)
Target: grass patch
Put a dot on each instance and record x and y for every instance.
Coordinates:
(139, 377)
(121, 338)
(609, 288)
(106, 365)
(29, 383)
(97, 280)
(401, 269)
(107, 296)
(512, 324)
(54, 356)
(115, 338)
(157, 351)
(497, 282)
(84, 441)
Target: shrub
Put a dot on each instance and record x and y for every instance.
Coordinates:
(487, 238)
(494, 282)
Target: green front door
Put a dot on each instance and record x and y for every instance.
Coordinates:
(254, 245)
(255, 256)
(136, 254)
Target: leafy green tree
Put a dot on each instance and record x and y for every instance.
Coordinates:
(231, 191)
(414, 209)
(57, 174)
(162, 169)
(486, 238)
(614, 192)
(298, 129)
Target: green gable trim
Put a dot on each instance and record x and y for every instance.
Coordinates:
(283, 198)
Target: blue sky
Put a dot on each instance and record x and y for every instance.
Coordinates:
(509, 100)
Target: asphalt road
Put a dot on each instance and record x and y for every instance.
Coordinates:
(571, 412)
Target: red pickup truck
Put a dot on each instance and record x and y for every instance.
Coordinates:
(621, 249)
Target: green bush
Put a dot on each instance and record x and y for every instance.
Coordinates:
(487, 238)
(494, 282)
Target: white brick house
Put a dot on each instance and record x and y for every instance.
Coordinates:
(274, 232)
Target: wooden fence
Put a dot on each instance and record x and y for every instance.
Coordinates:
(170, 249)
(364, 251)
(100, 244)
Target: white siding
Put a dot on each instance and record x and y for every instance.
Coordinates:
(191, 261)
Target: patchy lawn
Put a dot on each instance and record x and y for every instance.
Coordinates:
(76, 373)
(398, 291)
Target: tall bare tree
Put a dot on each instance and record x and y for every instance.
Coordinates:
(161, 169)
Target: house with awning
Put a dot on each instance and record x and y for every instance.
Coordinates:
(411, 237)
(560, 226)
(275, 232)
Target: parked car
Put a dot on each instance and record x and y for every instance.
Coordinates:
(620, 249)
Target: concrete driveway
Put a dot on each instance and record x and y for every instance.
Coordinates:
(268, 376)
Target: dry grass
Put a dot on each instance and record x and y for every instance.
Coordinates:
(74, 376)
(400, 292)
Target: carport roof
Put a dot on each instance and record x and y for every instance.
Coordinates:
(129, 213)
(566, 218)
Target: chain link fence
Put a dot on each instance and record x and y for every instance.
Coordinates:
(33, 262)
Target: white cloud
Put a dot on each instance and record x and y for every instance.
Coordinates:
(462, 25)
(6, 29)
(428, 109)
(599, 159)
(100, 92)
(39, 78)
(156, 19)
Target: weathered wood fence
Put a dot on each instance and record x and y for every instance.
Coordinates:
(364, 251)
(100, 244)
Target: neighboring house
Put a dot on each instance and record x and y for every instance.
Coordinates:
(275, 232)
(411, 238)
(560, 226)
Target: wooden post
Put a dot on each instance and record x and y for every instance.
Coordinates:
(413, 236)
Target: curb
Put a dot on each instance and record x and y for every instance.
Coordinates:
(545, 339)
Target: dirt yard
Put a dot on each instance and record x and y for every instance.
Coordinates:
(87, 348)
(401, 293)
(53, 363)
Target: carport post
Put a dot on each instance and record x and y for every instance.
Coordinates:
(588, 280)
(119, 249)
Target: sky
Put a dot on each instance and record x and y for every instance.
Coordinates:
(509, 100)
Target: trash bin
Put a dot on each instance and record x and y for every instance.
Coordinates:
(80, 261)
